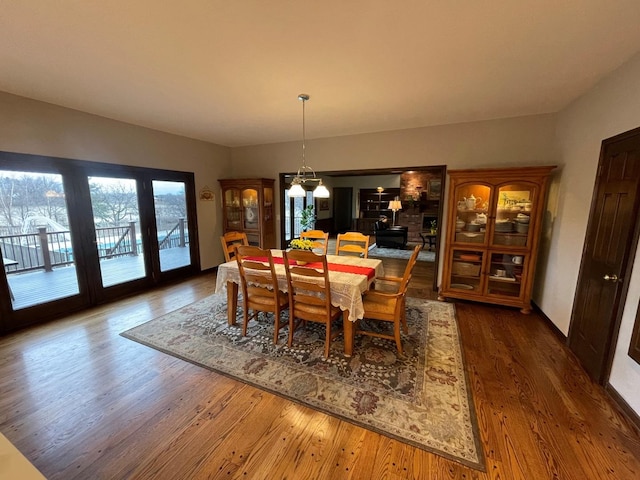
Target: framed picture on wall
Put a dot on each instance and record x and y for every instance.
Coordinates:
(323, 204)
(434, 188)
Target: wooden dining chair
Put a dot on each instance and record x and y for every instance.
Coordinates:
(389, 306)
(319, 238)
(352, 243)
(310, 294)
(260, 287)
(230, 241)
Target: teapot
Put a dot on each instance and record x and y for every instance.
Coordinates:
(471, 202)
(481, 218)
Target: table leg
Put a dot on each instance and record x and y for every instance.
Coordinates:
(348, 331)
(232, 302)
(424, 240)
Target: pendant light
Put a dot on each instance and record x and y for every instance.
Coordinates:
(296, 190)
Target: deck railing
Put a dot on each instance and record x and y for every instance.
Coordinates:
(45, 250)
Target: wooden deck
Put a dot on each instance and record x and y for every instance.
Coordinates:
(33, 288)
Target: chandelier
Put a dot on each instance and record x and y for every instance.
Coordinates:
(306, 173)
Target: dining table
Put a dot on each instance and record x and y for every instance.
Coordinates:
(349, 277)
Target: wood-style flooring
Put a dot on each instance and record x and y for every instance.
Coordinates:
(82, 402)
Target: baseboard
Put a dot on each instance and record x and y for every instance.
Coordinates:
(550, 324)
(627, 411)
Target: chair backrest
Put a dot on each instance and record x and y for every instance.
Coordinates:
(230, 241)
(352, 243)
(319, 238)
(309, 287)
(406, 277)
(256, 278)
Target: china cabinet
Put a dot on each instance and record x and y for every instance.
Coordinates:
(247, 206)
(493, 228)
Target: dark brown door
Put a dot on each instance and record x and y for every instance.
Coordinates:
(607, 255)
(342, 208)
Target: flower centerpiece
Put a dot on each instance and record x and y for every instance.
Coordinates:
(301, 244)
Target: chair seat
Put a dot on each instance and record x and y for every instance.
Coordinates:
(377, 304)
(315, 309)
(259, 296)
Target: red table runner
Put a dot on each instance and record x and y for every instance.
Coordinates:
(334, 267)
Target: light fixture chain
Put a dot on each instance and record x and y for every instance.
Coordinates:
(304, 162)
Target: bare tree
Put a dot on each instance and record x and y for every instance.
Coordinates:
(114, 203)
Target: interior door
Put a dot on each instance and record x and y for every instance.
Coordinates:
(608, 254)
(342, 209)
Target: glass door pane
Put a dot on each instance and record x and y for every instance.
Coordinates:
(233, 210)
(36, 244)
(466, 270)
(114, 202)
(514, 206)
(472, 207)
(505, 274)
(170, 206)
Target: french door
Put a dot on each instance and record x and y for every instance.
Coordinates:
(75, 234)
(293, 207)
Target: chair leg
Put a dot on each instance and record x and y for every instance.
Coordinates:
(292, 327)
(403, 319)
(327, 340)
(276, 326)
(245, 322)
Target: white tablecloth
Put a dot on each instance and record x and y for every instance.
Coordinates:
(346, 288)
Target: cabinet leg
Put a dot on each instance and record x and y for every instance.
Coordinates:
(526, 310)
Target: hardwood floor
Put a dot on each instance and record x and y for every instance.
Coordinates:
(82, 402)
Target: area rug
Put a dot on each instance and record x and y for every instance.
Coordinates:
(422, 398)
(382, 252)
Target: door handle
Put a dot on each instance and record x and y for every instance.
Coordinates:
(611, 278)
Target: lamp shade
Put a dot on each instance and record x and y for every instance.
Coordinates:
(395, 205)
(296, 191)
(321, 191)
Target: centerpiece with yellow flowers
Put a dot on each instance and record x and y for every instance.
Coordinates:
(301, 244)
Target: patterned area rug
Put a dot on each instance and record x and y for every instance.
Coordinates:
(422, 399)
(382, 252)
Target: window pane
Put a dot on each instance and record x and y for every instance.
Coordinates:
(171, 219)
(116, 216)
(37, 251)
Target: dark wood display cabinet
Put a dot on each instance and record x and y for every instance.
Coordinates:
(493, 228)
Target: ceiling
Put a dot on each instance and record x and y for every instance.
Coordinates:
(230, 72)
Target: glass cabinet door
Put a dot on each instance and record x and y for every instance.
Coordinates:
(513, 210)
(232, 209)
(251, 211)
(472, 205)
(466, 269)
(505, 274)
(268, 203)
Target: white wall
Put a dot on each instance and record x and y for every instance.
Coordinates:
(610, 108)
(29, 126)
